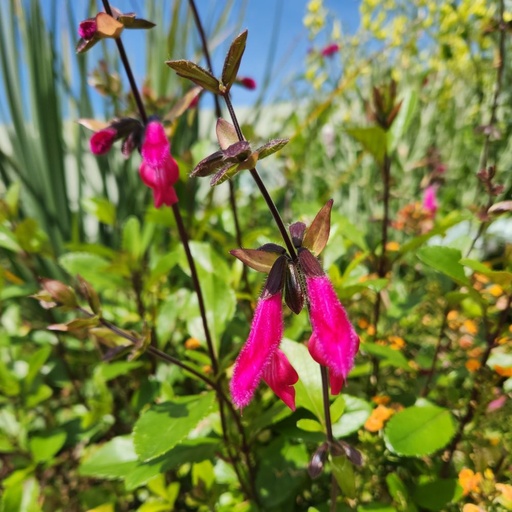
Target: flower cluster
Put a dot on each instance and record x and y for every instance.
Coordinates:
(158, 169)
(333, 342)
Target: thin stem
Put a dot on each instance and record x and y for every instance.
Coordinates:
(475, 392)
(382, 262)
(128, 69)
(327, 409)
(197, 287)
(263, 189)
(218, 114)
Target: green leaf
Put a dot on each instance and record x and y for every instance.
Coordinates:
(343, 471)
(373, 139)
(353, 418)
(501, 277)
(110, 371)
(45, 445)
(233, 59)
(445, 260)
(309, 425)
(196, 74)
(165, 425)
(271, 147)
(387, 354)
(131, 242)
(188, 452)
(101, 208)
(403, 119)
(35, 363)
(317, 234)
(437, 494)
(399, 492)
(418, 431)
(8, 240)
(308, 390)
(21, 497)
(113, 460)
(91, 267)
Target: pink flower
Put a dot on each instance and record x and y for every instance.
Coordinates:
(87, 28)
(430, 199)
(330, 50)
(261, 357)
(334, 342)
(158, 169)
(247, 82)
(101, 142)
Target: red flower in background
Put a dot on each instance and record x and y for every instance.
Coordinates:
(158, 169)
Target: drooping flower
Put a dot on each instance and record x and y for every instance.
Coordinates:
(261, 357)
(247, 82)
(330, 50)
(101, 142)
(87, 28)
(158, 169)
(430, 199)
(333, 343)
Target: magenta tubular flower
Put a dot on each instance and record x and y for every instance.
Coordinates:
(158, 169)
(280, 376)
(430, 199)
(334, 342)
(330, 50)
(87, 28)
(247, 82)
(101, 142)
(260, 357)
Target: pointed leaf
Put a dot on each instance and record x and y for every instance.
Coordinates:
(501, 207)
(271, 147)
(261, 261)
(343, 471)
(445, 260)
(297, 230)
(224, 174)
(107, 26)
(207, 166)
(182, 104)
(165, 425)
(317, 234)
(195, 73)
(233, 59)
(93, 124)
(226, 133)
(372, 139)
(239, 151)
(129, 20)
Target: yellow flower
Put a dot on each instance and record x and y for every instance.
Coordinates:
(502, 371)
(470, 326)
(495, 290)
(506, 492)
(192, 344)
(392, 246)
(469, 481)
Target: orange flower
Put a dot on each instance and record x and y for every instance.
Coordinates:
(503, 371)
(470, 326)
(381, 400)
(470, 507)
(472, 365)
(377, 418)
(506, 492)
(469, 481)
(392, 246)
(363, 323)
(192, 344)
(396, 342)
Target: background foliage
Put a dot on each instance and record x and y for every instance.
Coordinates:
(88, 423)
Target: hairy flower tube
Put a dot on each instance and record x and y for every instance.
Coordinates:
(333, 343)
(158, 169)
(261, 357)
(101, 142)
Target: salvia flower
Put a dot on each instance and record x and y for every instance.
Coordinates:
(87, 28)
(247, 82)
(430, 204)
(330, 50)
(158, 169)
(333, 343)
(101, 142)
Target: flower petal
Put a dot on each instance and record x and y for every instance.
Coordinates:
(101, 142)
(264, 338)
(280, 376)
(155, 147)
(335, 342)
